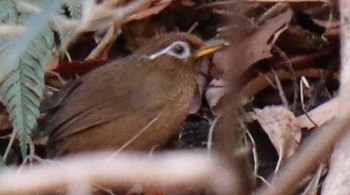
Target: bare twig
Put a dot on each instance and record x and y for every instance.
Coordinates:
(280, 89)
(262, 81)
(288, 64)
(9, 145)
(175, 169)
(101, 50)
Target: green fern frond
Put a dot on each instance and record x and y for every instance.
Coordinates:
(8, 14)
(22, 72)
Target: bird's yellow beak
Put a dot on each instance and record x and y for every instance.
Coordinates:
(210, 47)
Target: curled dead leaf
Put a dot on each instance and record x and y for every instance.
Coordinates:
(280, 125)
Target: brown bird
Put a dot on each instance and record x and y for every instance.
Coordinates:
(132, 104)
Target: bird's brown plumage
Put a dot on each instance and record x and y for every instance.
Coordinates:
(131, 104)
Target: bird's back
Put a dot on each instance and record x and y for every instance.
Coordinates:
(120, 106)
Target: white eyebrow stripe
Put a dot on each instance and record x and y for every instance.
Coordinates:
(163, 51)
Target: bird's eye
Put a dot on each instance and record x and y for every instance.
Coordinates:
(178, 49)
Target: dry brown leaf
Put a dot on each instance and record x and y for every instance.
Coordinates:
(72, 69)
(319, 115)
(4, 122)
(279, 124)
(248, 45)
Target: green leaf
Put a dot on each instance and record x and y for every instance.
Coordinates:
(2, 163)
(22, 70)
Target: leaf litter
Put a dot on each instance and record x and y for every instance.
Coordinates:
(240, 74)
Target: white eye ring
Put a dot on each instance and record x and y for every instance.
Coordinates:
(178, 49)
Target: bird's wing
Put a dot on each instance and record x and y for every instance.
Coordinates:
(100, 97)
